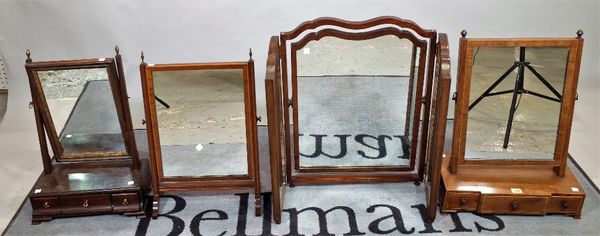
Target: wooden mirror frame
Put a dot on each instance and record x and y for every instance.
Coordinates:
(163, 184)
(465, 61)
(397, 26)
(43, 118)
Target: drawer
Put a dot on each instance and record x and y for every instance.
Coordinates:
(45, 206)
(564, 204)
(86, 204)
(521, 205)
(125, 202)
(461, 201)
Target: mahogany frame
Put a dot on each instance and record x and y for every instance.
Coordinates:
(45, 125)
(360, 174)
(465, 61)
(161, 183)
(276, 127)
(437, 134)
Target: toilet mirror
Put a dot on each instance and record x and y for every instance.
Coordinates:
(514, 101)
(355, 101)
(201, 122)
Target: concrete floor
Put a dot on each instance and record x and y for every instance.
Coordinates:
(534, 130)
(203, 133)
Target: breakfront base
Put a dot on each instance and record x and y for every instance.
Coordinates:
(515, 190)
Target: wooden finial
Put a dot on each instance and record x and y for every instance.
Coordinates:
(142, 56)
(117, 49)
(579, 33)
(250, 53)
(28, 53)
(463, 33)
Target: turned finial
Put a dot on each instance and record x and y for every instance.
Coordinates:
(142, 56)
(28, 53)
(579, 33)
(117, 49)
(250, 53)
(463, 33)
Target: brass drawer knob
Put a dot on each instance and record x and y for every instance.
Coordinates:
(463, 201)
(514, 205)
(125, 202)
(46, 205)
(86, 204)
(564, 204)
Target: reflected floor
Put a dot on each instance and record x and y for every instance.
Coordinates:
(367, 114)
(205, 160)
(535, 122)
(93, 124)
(3, 104)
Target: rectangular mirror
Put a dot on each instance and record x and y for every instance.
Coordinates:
(201, 125)
(83, 111)
(515, 102)
(201, 122)
(356, 100)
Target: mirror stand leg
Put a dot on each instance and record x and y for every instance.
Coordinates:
(257, 205)
(155, 204)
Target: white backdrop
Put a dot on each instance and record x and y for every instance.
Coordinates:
(203, 31)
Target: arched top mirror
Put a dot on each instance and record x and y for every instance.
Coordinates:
(357, 91)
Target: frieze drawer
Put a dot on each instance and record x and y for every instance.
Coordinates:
(463, 201)
(565, 204)
(525, 205)
(86, 204)
(45, 206)
(125, 202)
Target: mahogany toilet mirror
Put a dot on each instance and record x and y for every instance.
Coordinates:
(347, 101)
(201, 125)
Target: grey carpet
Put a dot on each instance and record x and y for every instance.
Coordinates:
(357, 109)
(354, 209)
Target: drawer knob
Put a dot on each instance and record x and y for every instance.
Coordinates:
(514, 205)
(85, 204)
(125, 202)
(46, 205)
(463, 201)
(564, 204)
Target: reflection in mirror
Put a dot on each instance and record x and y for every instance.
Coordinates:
(536, 97)
(83, 111)
(352, 102)
(3, 88)
(201, 122)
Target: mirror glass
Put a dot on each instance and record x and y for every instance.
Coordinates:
(535, 94)
(201, 122)
(3, 89)
(83, 111)
(352, 102)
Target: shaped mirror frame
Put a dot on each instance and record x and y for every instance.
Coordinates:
(384, 25)
(46, 127)
(467, 49)
(163, 183)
